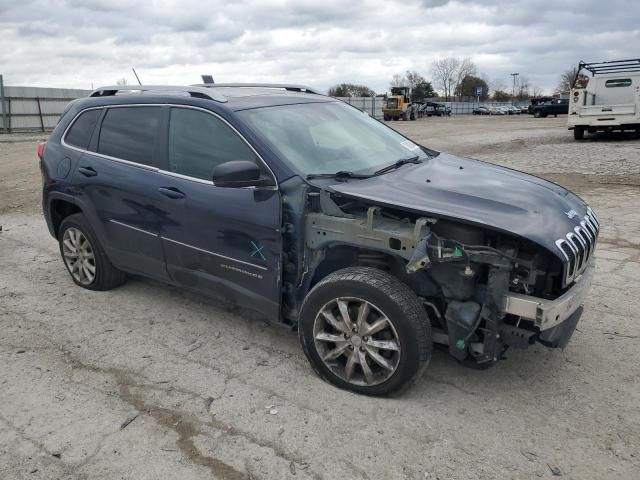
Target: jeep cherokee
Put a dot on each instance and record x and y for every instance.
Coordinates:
(303, 208)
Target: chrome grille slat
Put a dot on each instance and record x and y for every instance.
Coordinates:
(577, 246)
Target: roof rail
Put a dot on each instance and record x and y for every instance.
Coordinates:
(281, 86)
(194, 91)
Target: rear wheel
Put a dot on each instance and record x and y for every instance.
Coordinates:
(387, 117)
(365, 331)
(578, 133)
(84, 257)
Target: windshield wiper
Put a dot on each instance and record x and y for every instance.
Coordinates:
(398, 164)
(342, 174)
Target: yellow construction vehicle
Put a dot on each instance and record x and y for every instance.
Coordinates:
(398, 105)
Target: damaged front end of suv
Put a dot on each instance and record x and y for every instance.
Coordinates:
(507, 264)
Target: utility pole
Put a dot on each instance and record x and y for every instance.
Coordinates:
(513, 90)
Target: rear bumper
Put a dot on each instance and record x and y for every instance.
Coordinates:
(548, 314)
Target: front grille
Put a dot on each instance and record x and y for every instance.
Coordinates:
(577, 246)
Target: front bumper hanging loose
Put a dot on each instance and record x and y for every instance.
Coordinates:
(548, 314)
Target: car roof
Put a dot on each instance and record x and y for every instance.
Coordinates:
(229, 96)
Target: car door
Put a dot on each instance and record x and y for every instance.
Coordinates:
(222, 241)
(115, 181)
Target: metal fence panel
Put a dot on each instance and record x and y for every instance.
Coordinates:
(371, 105)
(35, 108)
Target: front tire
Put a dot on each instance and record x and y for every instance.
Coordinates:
(363, 330)
(537, 114)
(84, 257)
(578, 133)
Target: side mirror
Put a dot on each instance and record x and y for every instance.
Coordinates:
(238, 173)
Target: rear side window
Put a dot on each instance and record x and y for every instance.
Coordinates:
(199, 141)
(130, 133)
(80, 132)
(618, 82)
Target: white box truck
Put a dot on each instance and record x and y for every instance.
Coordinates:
(608, 100)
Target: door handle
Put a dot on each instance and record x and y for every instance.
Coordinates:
(171, 192)
(87, 171)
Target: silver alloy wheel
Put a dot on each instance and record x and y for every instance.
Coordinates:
(356, 341)
(78, 256)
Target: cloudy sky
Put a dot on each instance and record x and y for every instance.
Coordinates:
(80, 43)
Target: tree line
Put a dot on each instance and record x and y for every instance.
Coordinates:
(458, 79)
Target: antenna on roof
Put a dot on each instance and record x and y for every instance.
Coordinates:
(137, 78)
(207, 79)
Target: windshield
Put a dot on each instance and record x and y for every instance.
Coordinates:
(392, 102)
(316, 138)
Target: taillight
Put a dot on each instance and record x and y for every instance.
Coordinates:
(41, 146)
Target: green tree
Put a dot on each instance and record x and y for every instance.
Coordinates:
(501, 96)
(351, 90)
(422, 91)
(468, 85)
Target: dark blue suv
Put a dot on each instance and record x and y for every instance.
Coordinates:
(299, 206)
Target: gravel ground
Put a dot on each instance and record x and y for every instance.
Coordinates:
(147, 381)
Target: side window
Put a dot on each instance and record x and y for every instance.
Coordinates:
(199, 141)
(618, 82)
(130, 133)
(80, 132)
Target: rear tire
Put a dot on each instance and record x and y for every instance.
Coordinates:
(578, 133)
(382, 345)
(84, 257)
(387, 117)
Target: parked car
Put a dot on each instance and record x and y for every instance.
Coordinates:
(496, 111)
(524, 108)
(554, 107)
(512, 110)
(481, 111)
(301, 207)
(437, 109)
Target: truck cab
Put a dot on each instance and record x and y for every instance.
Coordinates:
(609, 100)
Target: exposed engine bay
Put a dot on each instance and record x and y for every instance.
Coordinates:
(462, 273)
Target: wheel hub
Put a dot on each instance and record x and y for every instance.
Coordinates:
(356, 341)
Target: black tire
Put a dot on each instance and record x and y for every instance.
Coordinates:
(387, 117)
(396, 117)
(393, 299)
(537, 114)
(578, 133)
(107, 276)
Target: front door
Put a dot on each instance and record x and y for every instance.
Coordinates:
(224, 242)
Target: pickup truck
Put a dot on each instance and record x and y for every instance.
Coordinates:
(553, 107)
(608, 101)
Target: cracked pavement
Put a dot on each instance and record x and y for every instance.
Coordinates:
(194, 378)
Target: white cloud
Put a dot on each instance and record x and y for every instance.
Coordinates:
(77, 43)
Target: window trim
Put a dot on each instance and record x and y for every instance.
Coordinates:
(163, 127)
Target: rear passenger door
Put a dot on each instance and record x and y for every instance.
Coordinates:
(225, 242)
(115, 180)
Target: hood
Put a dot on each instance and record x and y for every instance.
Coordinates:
(478, 193)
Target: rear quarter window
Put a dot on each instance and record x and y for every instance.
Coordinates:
(129, 133)
(618, 82)
(81, 130)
